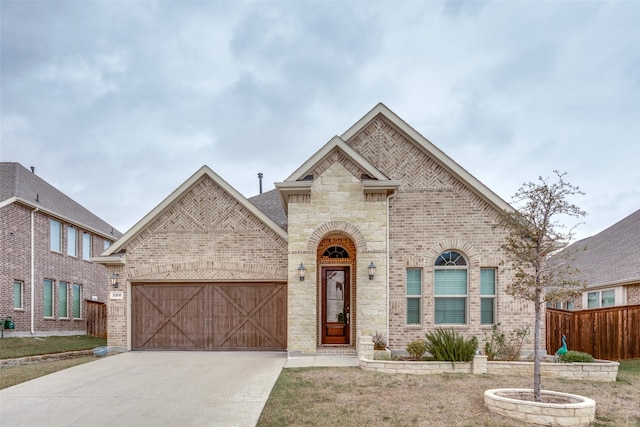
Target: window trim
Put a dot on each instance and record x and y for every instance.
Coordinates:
(73, 301)
(87, 245)
(620, 297)
(66, 300)
(21, 284)
(459, 263)
(58, 247)
(45, 283)
(413, 297)
(72, 244)
(492, 297)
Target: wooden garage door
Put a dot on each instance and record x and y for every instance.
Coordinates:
(226, 316)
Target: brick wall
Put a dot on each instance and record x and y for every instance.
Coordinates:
(15, 245)
(205, 235)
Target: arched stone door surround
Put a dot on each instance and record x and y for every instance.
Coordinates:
(336, 255)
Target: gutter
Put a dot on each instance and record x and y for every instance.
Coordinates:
(389, 197)
(33, 268)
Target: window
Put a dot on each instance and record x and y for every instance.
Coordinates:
(55, 237)
(336, 252)
(17, 295)
(48, 298)
(414, 295)
(604, 298)
(72, 241)
(487, 295)
(76, 300)
(450, 288)
(106, 244)
(86, 246)
(63, 294)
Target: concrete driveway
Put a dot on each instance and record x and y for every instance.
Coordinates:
(148, 389)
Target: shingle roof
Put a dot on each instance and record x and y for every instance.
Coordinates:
(611, 256)
(17, 181)
(270, 204)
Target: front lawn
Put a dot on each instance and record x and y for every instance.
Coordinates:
(12, 348)
(351, 396)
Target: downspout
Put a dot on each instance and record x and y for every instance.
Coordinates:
(389, 197)
(33, 269)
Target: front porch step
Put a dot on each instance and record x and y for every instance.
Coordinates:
(336, 351)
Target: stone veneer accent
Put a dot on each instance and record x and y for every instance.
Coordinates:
(337, 206)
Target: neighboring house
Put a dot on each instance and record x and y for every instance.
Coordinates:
(46, 243)
(379, 231)
(609, 263)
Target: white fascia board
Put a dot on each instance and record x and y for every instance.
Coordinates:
(109, 260)
(291, 187)
(160, 208)
(61, 217)
(373, 186)
(336, 142)
(448, 163)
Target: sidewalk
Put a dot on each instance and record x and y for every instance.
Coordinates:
(316, 361)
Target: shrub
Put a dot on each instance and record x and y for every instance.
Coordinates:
(451, 346)
(416, 348)
(576, 356)
(379, 341)
(497, 347)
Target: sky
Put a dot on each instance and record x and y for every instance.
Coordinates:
(117, 103)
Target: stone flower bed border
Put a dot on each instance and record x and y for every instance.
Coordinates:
(601, 370)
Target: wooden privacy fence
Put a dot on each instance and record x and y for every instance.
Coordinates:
(96, 319)
(611, 333)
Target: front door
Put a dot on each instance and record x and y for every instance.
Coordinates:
(336, 305)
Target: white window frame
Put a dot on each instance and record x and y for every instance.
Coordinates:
(414, 297)
(55, 246)
(464, 297)
(87, 243)
(53, 298)
(619, 292)
(73, 301)
(21, 302)
(72, 241)
(64, 315)
(492, 297)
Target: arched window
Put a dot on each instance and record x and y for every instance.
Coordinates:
(336, 252)
(450, 288)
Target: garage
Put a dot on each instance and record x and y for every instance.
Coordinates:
(209, 316)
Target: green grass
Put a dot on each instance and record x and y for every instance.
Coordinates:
(631, 366)
(12, 375)
(12, 348)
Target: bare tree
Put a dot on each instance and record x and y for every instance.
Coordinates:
(533, 244)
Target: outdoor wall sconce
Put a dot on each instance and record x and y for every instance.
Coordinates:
(114, 280)
(301, 272)
(372, 270)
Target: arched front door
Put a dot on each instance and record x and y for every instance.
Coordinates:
(336, 291)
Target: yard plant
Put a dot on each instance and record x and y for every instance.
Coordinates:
(534, 239)
(448, 345)
(576, 356)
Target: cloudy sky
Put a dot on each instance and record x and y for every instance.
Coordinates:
(116, 103)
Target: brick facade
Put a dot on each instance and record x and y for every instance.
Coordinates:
(205, 235)
(15, 246)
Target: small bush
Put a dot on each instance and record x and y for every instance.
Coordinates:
(451, 346)
(498, 347)
(576, 356)
(416, 348)
(379, 341)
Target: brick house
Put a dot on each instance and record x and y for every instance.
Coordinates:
(609, 264)
(379, 231)
(46, 242)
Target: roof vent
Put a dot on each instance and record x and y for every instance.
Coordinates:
(33, 169)
(260, 180)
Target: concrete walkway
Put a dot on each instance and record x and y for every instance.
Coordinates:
(148, 389)
(317, 361)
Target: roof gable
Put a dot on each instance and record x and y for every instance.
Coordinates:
(179, 218)
(18, 184)
(422, 144)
